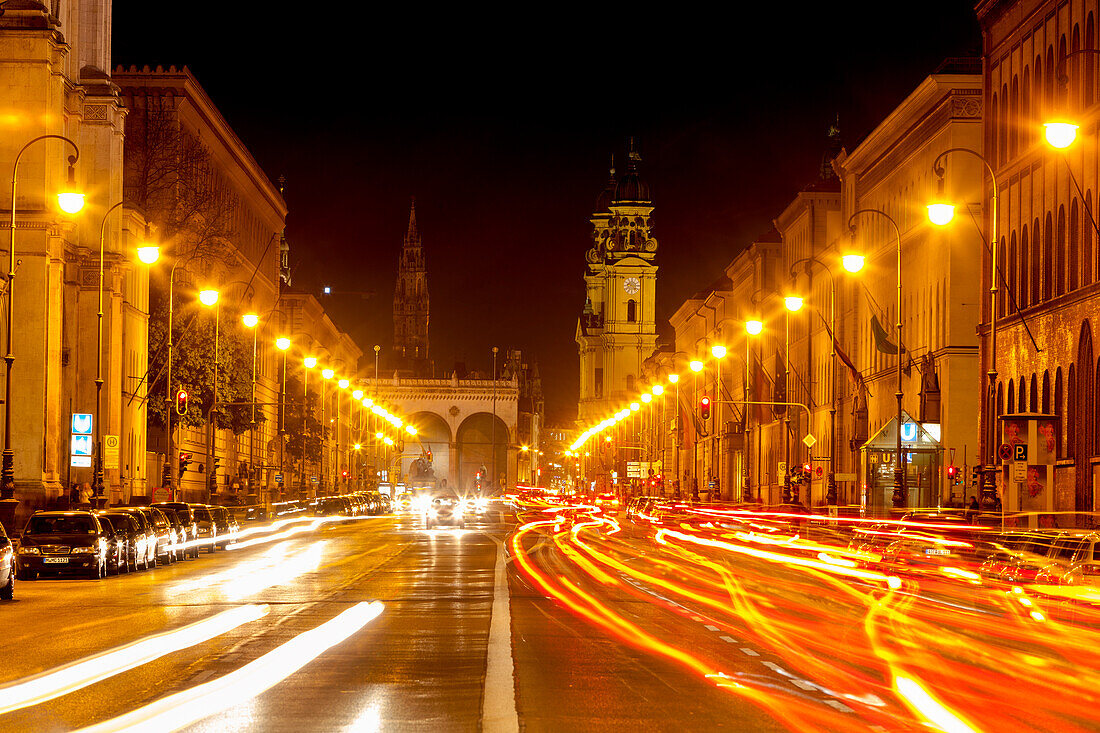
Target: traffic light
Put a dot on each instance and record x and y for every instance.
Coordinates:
(704, 408)
(181, 402)
(212, 476)
(975, 476)
(952, 476)
(185, 461)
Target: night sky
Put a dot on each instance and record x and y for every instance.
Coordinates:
(502, 124)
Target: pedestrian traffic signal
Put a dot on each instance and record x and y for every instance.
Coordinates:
(181, 402)
(185, 461)
(704, 408)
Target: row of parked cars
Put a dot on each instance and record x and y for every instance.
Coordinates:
(359, 504)
(1017, 557)
(97, 543)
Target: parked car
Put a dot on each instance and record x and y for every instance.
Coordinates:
(61, 542)
(186, 516)
(7, 567)
(207, 527)
(179, 533)
(404, 502)
(136, 538)
(117, 550)
(226, 525)
(162, 535)
(331, 506)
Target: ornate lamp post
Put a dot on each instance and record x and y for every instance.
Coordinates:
(210, 299)
(940, 213)
(70, 201)
(343, 383)
(282, 344)
(327, 375)
(494, 427)
(901, 495)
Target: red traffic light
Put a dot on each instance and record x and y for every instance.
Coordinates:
(181, 396)
(704, 408)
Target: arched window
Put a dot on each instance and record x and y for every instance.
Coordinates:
(1022, 396)
(1059, 263)
(1048, 89)
(1046, 392)
(1013, 120)
(1022, 291)
(1076, 73)
(1025, 110)
(1061, 91)
(1059, 409)
(1071, 415)
(1048, 258)
(1034, 401)
(1086, 241)
(1010, 275)
(1073, 265)
(1001, 256)
(1034, 267)
(631, 310)
(1037, 94)
(1000, 400)
(630, 384)
(994, 129)
(1002, 134)
(1090, 65)
(1011, 406)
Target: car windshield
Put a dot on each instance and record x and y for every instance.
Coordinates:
(122, 521)
(61, 524)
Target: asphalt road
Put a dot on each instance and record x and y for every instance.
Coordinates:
(437, 657)
(467, 640)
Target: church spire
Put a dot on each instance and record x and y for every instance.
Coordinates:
(410, 303)
(413, 234)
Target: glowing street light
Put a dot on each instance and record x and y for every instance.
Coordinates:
(634, 406)
(282, 343)
(208, 297)
(754, 327)
(344, 384)
(696, 365)
(853, 262)
(793, 303)
(309, 362)
(658, 390)
(411, 430)
(357, 395)
(148, 254)
(250, 320)
(327, 373)
(69, 198)
(673, 378)
(718, 352)
(1060, 134)
(647, 397)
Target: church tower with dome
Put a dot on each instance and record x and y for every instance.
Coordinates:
(616, 332)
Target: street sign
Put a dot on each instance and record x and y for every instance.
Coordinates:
(81, 445)
(162, 494)
(313, 479)
(82, 423)
(1019, 452)
(1005, 452)
(278, 478)
(782, 469)
(844, 476)
(110, 452)
(819, 471)
(1019, 472)
(80, 461)
(809, 440)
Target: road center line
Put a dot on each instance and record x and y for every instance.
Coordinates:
(498, 711)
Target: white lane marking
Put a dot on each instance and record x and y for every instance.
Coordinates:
(750, 652)
(708, 627)
(498, 712)
(776, 668)
(728, 639)
(803, 684)
(697, 619)
(839, 706)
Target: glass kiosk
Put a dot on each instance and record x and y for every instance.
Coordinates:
(923, 460)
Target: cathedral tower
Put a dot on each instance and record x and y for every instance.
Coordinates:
(617, 330)
(410, 304)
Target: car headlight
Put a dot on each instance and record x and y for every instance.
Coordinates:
(84, 550)
(29, 551)
(432, 512)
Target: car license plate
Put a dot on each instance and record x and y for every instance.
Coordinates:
(55, 560)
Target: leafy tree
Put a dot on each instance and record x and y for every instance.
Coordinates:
(304, 431)
(193, 367)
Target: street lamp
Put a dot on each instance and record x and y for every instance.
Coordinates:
(282, 344)
(696, 365)
(793, 303)
(900, 496)
(831, 492)
(988, 487)
(251, 320)
(343, 384)
(209, 298)
(853, 262)
(70, 202)
(148, 254)
(494, 428)
(327, 375)
(97, 471)
(754, 327)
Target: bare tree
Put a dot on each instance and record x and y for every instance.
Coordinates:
(171, 176)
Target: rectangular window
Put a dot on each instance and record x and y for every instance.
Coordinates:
(597, 383)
